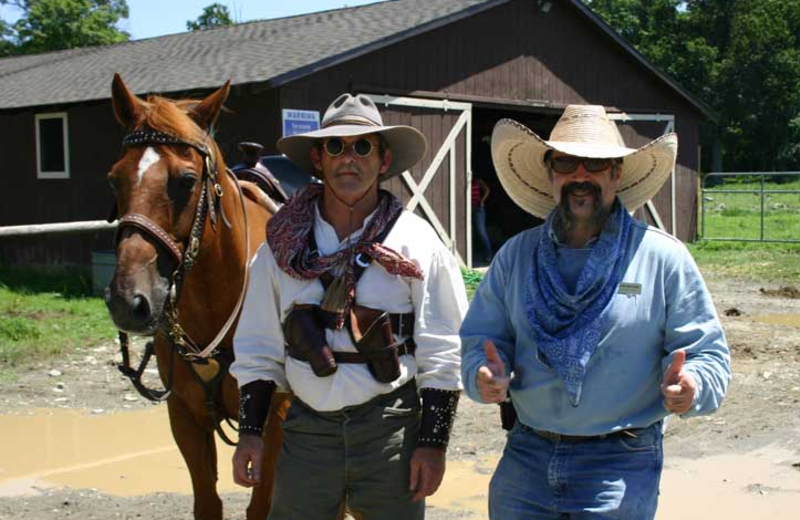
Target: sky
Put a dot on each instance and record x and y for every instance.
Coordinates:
(150, 18)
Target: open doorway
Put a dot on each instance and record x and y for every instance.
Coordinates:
(503, 218)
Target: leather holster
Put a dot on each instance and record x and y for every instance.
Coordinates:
(373, 338)
(304, 333)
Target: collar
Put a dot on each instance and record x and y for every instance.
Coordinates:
(325, 234)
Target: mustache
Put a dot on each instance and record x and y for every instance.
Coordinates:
(347, 170)
(569, 189)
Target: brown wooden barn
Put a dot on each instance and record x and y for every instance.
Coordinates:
(452, 68)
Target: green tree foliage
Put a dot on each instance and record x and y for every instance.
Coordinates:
(741, 57)
(49, 25)
(214, 15)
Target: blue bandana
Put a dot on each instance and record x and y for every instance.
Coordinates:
(566, 326)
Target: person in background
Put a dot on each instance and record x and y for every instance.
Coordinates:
(480, 192)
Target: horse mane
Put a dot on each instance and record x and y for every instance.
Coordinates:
(172, 117)
(253, 192)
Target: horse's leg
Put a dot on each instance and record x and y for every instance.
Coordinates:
(261, 500)
(200, 453)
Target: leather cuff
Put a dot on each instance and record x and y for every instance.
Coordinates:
(438, 413)
(254, 399)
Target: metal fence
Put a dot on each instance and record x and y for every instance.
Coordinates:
(721, 183)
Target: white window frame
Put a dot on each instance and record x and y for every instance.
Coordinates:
(65, 125)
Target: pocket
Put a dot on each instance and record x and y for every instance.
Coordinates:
(294, 416)
(403, 406)
(401, 411)
(647, 440)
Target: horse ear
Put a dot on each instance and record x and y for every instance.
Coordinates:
(127, 107)
(206, 112)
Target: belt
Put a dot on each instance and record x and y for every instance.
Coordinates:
(632, 433)
(388, 398)
(402, 324)
(408, 347)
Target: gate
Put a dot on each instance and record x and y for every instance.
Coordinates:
(447, 155)
(622, 118)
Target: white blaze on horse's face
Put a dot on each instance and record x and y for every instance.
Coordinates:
(149, 158)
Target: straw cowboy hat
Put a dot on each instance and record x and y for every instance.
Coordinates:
(583, 131)
(350, 116)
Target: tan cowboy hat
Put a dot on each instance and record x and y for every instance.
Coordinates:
(582, 131)
(357, 115)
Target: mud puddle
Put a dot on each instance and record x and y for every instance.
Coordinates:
(782, 320)
(133, 454)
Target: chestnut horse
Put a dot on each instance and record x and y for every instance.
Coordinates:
(187, 232)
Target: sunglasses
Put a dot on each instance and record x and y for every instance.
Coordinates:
(336, 146)
(565, 164)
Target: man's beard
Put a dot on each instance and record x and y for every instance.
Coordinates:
(565, 220)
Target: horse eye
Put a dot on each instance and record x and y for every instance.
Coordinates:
(187, 180)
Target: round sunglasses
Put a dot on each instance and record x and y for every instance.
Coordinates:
(566, 164)
(336, 146)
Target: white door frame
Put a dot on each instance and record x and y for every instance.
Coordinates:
(670, 120)
(448, 148)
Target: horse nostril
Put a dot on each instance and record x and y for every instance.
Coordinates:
(141, 307)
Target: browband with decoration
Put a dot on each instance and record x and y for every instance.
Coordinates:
(145, 137)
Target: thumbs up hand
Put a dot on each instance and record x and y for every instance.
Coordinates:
(678, 385)
(492, 380)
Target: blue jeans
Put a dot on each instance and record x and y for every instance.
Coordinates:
(613, 478)
(479, 229)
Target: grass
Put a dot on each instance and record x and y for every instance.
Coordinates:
(46, 313)
(738, 215)
(774, 263)
(471, 280)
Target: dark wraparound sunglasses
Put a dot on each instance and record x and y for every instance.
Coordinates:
(568, 164)
(336, 147)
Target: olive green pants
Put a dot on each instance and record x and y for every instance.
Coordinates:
(360, 454)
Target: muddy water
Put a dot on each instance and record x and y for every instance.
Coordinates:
(783, 320)
(133, 454)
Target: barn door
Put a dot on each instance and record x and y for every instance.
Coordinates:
(636, 135)
(438, 188)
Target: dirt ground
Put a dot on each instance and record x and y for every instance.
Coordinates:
(762, 409)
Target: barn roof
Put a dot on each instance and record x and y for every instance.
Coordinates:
(273, 52)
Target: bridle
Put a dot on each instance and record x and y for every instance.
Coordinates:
(206, 362)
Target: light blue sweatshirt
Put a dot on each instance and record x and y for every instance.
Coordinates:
(662, 305)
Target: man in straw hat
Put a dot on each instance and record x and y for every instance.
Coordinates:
(354, 305)
(595, 324)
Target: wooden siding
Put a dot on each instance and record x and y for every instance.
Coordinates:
(513, 52)
(517, 53)
(95, 142)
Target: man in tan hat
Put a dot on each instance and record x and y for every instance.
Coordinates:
(595, 325)
(353, 305)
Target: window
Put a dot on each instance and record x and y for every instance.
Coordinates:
(52, 149)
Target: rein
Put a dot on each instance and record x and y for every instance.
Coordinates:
(207, 364)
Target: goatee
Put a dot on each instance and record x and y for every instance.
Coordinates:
(565, 221)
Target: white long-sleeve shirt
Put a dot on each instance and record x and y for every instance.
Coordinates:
(438, 301)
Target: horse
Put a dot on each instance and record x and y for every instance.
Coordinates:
(187, 231)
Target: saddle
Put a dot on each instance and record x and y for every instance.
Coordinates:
(251, 169)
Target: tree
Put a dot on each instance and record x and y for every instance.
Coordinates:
(214, 15)
(49, 25)
(740, 57)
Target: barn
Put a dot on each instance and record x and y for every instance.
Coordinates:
(451, 68)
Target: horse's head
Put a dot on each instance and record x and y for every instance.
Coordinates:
(158, 182)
